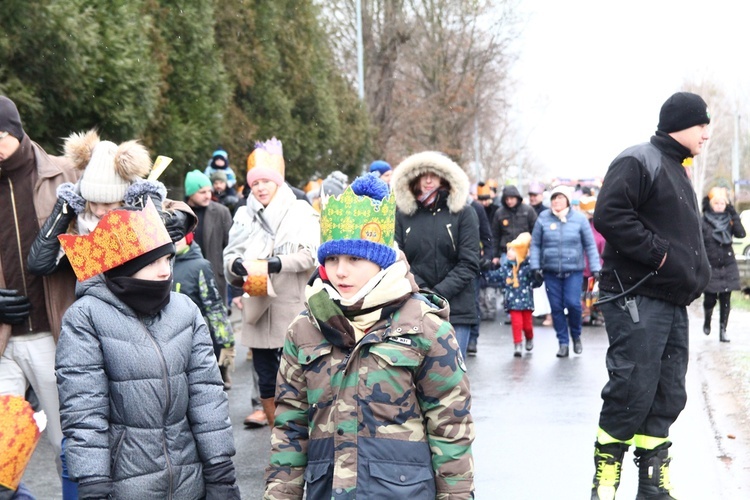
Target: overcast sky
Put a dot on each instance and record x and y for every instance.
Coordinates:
(592, 75)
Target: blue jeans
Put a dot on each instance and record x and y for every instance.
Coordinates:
(462, 336)
(474, 333)
(564, 292)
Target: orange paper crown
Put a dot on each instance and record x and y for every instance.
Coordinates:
(19, 435)
(268, 154)
(120, 236)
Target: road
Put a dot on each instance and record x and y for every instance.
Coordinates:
(536, 419)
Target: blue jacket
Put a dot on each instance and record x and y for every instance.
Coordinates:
(516, 299)
(557, 247)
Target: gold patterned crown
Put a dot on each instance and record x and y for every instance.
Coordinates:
(352, 217)
(120, 236)
(19, 435)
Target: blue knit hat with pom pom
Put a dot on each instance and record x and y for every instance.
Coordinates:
(360, 222)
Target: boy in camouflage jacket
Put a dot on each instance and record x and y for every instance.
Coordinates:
(372, 398)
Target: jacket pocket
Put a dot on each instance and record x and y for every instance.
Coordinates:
(400, 480)
(315, 361)
(319, 479)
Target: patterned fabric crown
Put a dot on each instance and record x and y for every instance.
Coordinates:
(120, 236)
(361, 222)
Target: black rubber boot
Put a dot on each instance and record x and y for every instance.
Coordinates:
(653, 473)
(608, 464)
(707, 320)
(723, 320)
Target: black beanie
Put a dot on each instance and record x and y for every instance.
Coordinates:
(10, 120)
(132, 266)
(683, 110)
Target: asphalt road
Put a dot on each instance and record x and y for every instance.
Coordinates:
(536, 419)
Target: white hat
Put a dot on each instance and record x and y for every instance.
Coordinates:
(566, 191)
(108, 169)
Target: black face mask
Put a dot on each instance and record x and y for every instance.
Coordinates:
(143, 296)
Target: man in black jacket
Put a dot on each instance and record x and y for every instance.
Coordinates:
(655, 264)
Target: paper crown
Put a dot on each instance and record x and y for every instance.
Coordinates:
(352, 217)
(19, 434)
(120, 236)
(268, 154)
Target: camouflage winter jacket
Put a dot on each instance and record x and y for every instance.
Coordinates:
(388, 418)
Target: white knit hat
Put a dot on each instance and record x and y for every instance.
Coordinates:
(108, 169)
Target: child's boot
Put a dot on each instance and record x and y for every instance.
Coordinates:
(517, 350)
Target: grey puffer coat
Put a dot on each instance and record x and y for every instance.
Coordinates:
(141, 399)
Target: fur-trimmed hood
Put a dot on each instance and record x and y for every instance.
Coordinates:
(437, 163)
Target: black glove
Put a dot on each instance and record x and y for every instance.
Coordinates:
(176, 223)
(730, 210)
(274, 265)
(537, 278)
(238, 268)
(42, 260)
(14, 308)
(95, 490)
(485, 264)
(221, 481)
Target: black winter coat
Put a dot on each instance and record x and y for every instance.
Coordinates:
(441, 242)
(647, 208)
(508, 223)
(725, 276)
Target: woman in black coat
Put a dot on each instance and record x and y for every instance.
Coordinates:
(720, 223)
(439, 233)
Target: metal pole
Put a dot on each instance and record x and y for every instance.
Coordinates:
(360, 52)
(736, 158)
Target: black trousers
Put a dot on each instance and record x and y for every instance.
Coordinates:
(647, 363)
(266, 363)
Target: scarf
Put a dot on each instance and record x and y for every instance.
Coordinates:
(270, 233)
(722, 226)
(562, 214)
(344, 322)
(145, 297)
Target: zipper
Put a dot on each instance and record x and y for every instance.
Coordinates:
(453, 243)
(57, 218)
(168, 403)
(20, 251)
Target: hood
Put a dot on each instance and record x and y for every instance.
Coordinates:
(437, 163)
(511, 192)
(192, 254)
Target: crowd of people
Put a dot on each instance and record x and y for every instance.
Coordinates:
(357, 300)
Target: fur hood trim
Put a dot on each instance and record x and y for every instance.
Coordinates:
(437, 163)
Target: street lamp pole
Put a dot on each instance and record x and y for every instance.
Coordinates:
(360, 52)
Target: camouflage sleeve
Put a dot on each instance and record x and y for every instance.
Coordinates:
(445, 399)
(214, 309)
(289, 437)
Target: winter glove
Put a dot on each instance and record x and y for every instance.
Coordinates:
(43, 255)
(94, 489)
(141, 190)
(177, 223)
(14, 308)
(537, 278)
(485, 264)
(238, 268)
(226, 358)
(221, 481)
(274, 265)
(730, 210)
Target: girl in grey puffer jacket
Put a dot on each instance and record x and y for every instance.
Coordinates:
(142, 405)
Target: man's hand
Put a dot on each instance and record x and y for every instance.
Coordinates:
(537, 278)
(14, 308)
